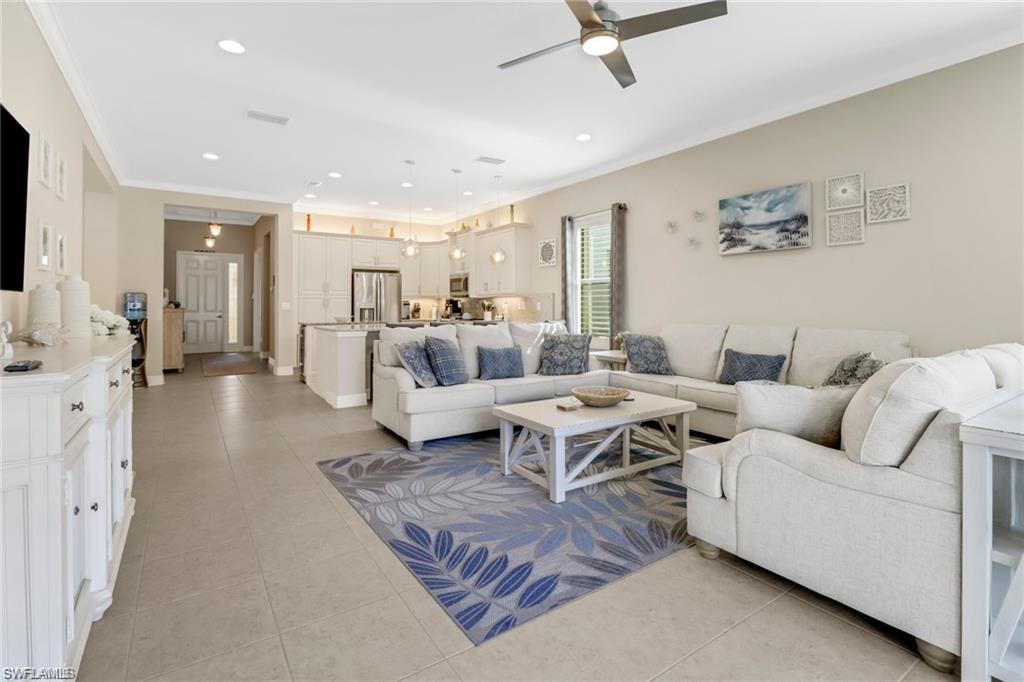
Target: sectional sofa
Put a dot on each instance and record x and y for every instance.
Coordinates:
(695, 353)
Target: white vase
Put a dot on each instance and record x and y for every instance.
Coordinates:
(44, 305)
(74, 306)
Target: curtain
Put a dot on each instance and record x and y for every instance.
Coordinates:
(618, 267)
(569, 306)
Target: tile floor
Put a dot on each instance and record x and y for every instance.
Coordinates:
(243, 562)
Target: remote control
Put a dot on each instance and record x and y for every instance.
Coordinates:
(23, 366)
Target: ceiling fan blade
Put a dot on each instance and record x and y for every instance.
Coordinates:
(584, 13)
(635, 27)
(619, 66)
(539, 53)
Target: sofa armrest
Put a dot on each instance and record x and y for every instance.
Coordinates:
(812, 414)
(399, 375)
(832, 467)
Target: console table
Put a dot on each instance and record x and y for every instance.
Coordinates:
(993, 543)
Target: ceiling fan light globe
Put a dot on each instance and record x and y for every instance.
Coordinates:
(599, 43)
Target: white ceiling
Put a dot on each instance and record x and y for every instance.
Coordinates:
(367, 85)
(206, 215)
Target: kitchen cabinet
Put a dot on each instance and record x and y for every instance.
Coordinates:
(510, 277)
(463, 240)
(66, 489)
(376, 253)
(410, 270)
(433, 270)
(323, 277)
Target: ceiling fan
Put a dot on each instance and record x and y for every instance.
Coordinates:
(602, 31)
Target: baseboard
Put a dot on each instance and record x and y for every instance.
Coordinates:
(271, 362)
(155, 381)
(283, 370)
(264, 355)
(246, 349)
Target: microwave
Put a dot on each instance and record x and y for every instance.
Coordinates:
(458, 286)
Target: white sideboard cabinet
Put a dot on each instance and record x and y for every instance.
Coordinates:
(65, 496)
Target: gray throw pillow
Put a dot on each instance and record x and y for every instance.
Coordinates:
(500, 363)
(446, 360)
(739, 367)
(647, 354)
(854, 369)
(413, 356)
(565, 354)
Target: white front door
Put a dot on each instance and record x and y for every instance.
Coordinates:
(201, 292)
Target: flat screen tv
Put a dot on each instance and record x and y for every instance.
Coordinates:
(14, 145)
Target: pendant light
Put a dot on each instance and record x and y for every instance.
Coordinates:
(456, 253)
(210, 241)
(215, 227)
(410, 247)
(498, 256)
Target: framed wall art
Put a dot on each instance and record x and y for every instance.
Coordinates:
(844, 227)
(844, 191)
(769, 220)
(889, 203)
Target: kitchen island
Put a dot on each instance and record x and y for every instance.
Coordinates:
(337, 372)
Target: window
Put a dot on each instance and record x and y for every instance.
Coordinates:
(593, 242)
(233, 285)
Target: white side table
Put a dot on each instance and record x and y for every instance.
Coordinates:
(992, 639)
(610, 359)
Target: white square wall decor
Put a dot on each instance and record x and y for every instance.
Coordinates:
(889, 203)
(844, 191)
(844, 227)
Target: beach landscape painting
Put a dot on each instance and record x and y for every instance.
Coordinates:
(770, 220)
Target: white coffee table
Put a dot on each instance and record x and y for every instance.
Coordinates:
(564, 429)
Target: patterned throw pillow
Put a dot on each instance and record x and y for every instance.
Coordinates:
(647, 354)
(565, 354)
(446, 361)
(739, 367)
(413, 356)
(500, 363)
(854, 369)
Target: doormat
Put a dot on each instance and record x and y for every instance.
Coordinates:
(227, 364)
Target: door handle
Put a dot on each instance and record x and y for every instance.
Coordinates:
(95, 506)
(124, 463)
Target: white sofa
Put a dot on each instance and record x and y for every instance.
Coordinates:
(695, 353)
(875, 524)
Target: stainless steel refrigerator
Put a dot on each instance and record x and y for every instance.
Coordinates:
(376, 296)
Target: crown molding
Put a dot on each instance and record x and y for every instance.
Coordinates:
(43, 13)
(383, 216)
(214, 192)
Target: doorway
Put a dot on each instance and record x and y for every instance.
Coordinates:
(209, 287)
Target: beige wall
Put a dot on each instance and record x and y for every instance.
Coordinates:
(343, 225)
(185, 235)
(35, 92)
(261, 239)
(951, 276)
(141, 259)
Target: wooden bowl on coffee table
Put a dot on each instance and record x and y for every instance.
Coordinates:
(600, 396)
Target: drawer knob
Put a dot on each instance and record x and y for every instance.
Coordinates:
(75, 510)
(95, 506)
(126, 370)
(124, 463)
(115, 383)
(78, 407)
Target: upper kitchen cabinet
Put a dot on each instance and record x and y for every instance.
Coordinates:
(434, 270)
(463, 241)
(376, 253)
(502, 261)
(323, 277)
(410, 271)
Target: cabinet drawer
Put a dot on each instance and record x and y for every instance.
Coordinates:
(72, 409)
(119, 378)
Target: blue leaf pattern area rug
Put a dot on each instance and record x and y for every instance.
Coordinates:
(493, 550)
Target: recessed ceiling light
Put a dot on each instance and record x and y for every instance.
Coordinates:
(427, 208)
(210, 156)
(232, 46)
(334, 174)
(406, 184)
(374, 203)
(583, 137)
(467, 193)
(309, 196)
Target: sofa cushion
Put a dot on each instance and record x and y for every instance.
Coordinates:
(500, 363)
(709, 394)
(1006, 360)
(565, 354)
(472, 337)
(446, 361)
(646, 354)
(521, 389)
(816, 352)
(813, 414)
(693, 349)
(739, 367)
(389, 336)
(444, 398)
(658, 384)
(530, 337)
(888, 414)
(595, 377)
(761, 341)
(702, 469)
(414, 358)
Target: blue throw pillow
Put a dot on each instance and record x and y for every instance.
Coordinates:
(739, 367)
(414, 358)
(446, 361)
(564, 354)
(647, 354)
(500, 363)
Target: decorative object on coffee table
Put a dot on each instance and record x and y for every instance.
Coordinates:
(844, 191)
(600, 396)
(886, 204)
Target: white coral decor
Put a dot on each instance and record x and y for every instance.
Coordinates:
(106, 323)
